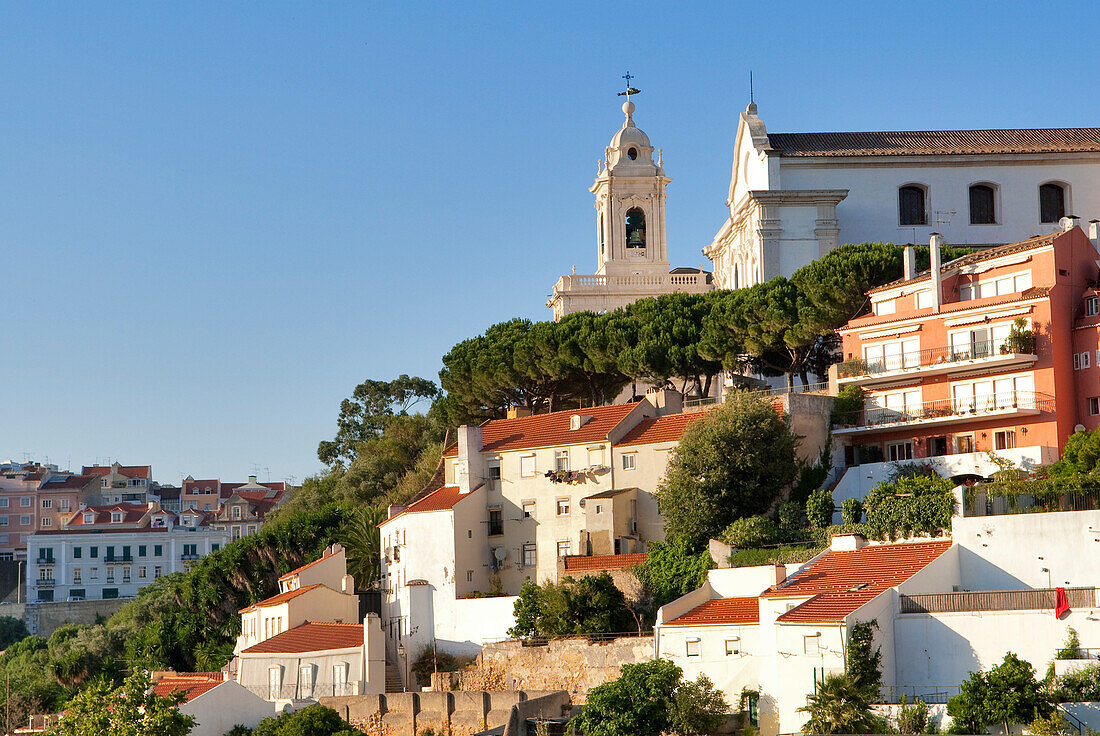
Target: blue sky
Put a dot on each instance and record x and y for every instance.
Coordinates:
(217, 218)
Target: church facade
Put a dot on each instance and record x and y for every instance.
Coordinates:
(795, 196)
(631, 246)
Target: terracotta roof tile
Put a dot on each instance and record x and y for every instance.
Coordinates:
(842, 581)
(441, 499)
(669, 428)
(721, 611)
(937, 142)
(282, 597)
(130, 471)
(545, 430)
(579, 563)
(311, 637)
(192, 685)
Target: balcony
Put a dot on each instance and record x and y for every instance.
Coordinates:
(47, 561)
(946, 411)
(118, 558)
(991, 355)
(189, 556)
(594, 284)
(44, 582)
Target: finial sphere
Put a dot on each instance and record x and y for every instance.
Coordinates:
(628, 107)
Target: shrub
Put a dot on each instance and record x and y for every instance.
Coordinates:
(922, 505)
(774, 555)
(790, 514)
(591, 605)
(912, 718)
(752, 531)
(1079, 686)
(672, 569)
(1072, 648)
(819, 509)
(848, 401)
(431, 661)
(851, 511)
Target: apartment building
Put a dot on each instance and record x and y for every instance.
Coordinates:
(35, 496)
(239, 508)
(122, 483)
(992, 352)
(112, 551)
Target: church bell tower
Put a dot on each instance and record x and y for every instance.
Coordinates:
(630, 205)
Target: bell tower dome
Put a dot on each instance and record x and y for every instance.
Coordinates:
(630, 204)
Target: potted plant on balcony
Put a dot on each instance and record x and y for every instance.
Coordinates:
(1021, 339)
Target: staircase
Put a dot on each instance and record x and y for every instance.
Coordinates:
(393, 679)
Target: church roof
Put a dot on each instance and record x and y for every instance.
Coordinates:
(937, 142)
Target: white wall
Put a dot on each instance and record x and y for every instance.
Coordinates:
(220, 709)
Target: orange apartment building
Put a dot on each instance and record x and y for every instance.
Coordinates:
(994, 351)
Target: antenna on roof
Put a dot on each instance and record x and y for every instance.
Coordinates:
(751, 97)
(255, 469)
(268, 471)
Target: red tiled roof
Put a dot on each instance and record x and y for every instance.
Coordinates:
(282, 597)
(544, 430)
(130, 471)
(721, 611)
(668, 428)
(227, 489)
(937, 142)
(578, 563)
(441, 499)
(192, 685)
(873, 320)
(68, 483)
(842, 581)
(191, 486)
(311, 637)
(131, 514)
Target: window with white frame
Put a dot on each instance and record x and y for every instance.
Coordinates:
(733, 646)
(811, 644)
(3, 503)
(64, 504)
(563, 506)
(47, 521)
(47, 503)
(305, 681)
(1082, 361)
(1092, 306)
(564, 548)
(25, 501)
(629, 461)
(494, 471)
(979, 342)
(527, 466)
(924, 299)
(529, 558)
(906, 402)
(116, 517)
(595, 457)
(999, 286)
(88, 518)
(340, 679)
(887, 306)
(1094, 407)
(561, 459)
(1004, 439)
(528, 509)
(24, 521)
(274, 680)
(892, 356)
(989, 395)
(692, 647)
(896, 451)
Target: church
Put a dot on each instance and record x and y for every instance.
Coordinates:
(795, 196)
(631, 247)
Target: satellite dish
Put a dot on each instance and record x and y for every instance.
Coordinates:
(1079, 428)
(500, 554)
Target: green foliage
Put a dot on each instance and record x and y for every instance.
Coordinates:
(863, 660)
(914, 505)
(1006, 694)
(650, 699)
(774, 555)
(1078, 686)
(79, 653)
(362, 544)
(912, 718)
(840, 705)
(313, 720)
(12, 630)
(367, 413)
(820, 509)
(851, 511)
(590, 605)
(1021, 338)
(431, 661)
(239, 730)
(1072, 648)
(128, 710)
(672, 569)
(1053, 725)
(752, 531)
(824, 537)
(697, 708)
(1081, 455)
(848, 401)
(790, 515)
(30, 686)
(703, 491)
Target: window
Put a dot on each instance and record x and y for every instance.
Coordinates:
(563, 506)
(77, 552)
(94, 573)
(911, 206)
(1092, 306)
(1082, 360)
(47, 503)
(274, 681)
(305, 681)
(25, 520)
(529, 559)
(892, 356)
(142, 550)
(340, 679)
(561, 460)
(1094, 405)
(88, 519)
(141, 571)
(896, 451)
(93, 552)
(64, 504)
(25, 501)
(1052, 202)
(528, 509)
(628, 461)
(158, 550)
(126, 574)
(595, 457)
(3, 520)
(733, 646)
(635, 230)
(811, 644)
(469, 576)
(692, 649)
(47, 521)
(887, 306)
(76, 576)
(496, 522)
(215, 547)
(563, 549)
(924, 299)
(110, 574)
(1004, 439)
(885, 406)
(527, 466)
(3, 503)
(236, 512)
(116, 517)
(632, 153)
(981, 205)
(1000, 286)
(494, 471)
(156, 572)
(979, 343)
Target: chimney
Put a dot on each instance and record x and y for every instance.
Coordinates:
(935, 242)
(470, 471)
(578, 420)
(665, 401)
(251, 480)
(515, 412)
(909, 261)
(1069, 222)
(1094, 233)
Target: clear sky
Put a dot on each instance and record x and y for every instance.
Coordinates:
(216, 218)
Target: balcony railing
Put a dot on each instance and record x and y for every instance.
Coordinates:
(189, 556)
(914, 359)
(1033, 599)
(118, 558)
(957, 408)
(47, 561)
(44, 582)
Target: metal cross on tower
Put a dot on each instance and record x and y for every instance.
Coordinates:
(629, 90)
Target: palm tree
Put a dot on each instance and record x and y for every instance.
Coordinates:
(840, 705)
(362, 544)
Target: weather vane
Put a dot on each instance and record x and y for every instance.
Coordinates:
(629, 90)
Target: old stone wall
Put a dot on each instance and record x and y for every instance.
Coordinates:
(452, 713)
(44, 618)
(573, 665)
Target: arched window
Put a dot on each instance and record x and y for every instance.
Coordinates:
(1052, 202)
(635, 228)
(981, 205)
(911, 205)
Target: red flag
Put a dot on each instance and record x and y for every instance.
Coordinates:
(1061, 603)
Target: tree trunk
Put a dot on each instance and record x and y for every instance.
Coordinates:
(790, 382)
